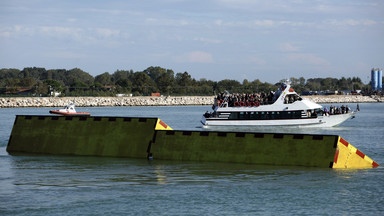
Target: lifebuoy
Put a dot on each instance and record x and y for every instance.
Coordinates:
(253, 104)
(219, 102)
(237, 104)
(257, 103)
(242, 103)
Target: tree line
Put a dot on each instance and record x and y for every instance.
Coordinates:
(76, 82)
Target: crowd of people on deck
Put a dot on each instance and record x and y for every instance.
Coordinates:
(252, 99)
(335, 110)
(243, 99)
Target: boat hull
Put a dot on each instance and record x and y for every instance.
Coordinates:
(56, 112)
(320, 121)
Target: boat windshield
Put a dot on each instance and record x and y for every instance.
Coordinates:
(291, 98)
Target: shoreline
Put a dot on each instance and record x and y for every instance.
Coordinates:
(13, 102)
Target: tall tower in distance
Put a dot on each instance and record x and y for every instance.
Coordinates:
(380, 80)
(377, 79)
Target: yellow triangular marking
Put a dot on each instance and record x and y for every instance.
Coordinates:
(347, 156)
(160, 125)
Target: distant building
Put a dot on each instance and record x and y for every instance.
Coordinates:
(377, 79)
(55, 93)
(380, 80)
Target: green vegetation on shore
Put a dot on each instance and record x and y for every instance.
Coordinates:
(76, 82)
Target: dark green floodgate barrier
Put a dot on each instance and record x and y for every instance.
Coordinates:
(152, 138)
(253, 148)
(96, 136)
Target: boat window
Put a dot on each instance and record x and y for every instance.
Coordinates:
(273, 115)
(288, 115)
(261, 115)
(299, 98)
(242, 115)
(252, 115)
(291, 98)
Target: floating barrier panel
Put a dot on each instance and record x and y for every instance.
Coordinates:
(96, 136)
(259, 148)
(152, 138)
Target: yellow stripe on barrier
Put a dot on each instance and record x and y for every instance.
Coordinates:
(160, 125)
(347, 156)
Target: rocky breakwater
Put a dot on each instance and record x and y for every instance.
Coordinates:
(157, 101)
(105, 101)
(344, 99)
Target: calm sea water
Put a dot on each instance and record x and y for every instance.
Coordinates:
(63, 185)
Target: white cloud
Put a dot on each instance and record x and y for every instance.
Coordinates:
(289, 47)
(16, 30)
(194, 57)
(82, 35)
(207, 40)
(263, 23)
(5, 34)
(218, 22)
(71, 20)
(104, 32)
(351, 22)
(306, 58)
(257, 60)
(167, 22)
(62, 32)
(200, 57)
(66, 55)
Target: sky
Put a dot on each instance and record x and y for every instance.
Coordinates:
(268, 40)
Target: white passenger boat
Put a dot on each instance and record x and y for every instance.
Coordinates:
(286, 109)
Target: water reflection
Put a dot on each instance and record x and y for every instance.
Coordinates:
(53, 171)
